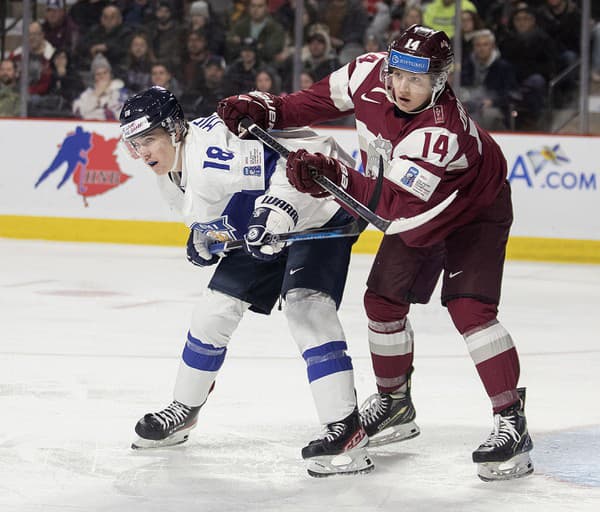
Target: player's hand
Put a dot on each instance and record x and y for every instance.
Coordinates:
(301, 166)
(197, 249)
(261, 107)
(263, 227)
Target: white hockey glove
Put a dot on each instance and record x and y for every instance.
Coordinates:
(197, 249)
(273, 216)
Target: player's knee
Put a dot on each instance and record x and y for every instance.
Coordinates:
(312, 318)
(469, 314)
(384, 310)
(215, 317)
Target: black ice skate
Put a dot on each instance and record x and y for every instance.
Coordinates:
(388, 417)
(505, 453)
(340, 450)
(168, 427)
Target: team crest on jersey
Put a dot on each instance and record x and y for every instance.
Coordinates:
(438, 114)
(218, 229)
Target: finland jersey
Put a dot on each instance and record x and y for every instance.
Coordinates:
(223, 176)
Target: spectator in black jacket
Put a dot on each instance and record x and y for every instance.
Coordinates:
(534, 55)
(240, 76)
(488, 83)
(109, 38)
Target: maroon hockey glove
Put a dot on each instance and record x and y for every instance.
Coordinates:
(261, 107)
(300, 168)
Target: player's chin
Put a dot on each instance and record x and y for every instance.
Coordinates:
(157, 168)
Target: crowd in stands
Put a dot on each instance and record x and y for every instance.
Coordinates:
(87, 56)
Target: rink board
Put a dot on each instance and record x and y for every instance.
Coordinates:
(93, 191)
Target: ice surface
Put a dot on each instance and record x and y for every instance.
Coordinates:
(90, 337)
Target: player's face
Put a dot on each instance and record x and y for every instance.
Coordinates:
(410, 90)
(156, 149)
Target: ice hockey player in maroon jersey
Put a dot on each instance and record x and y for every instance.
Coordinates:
(407, 113)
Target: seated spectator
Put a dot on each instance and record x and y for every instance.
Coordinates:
(471, 23)
(65, 87)
(347, 22)
(59, 29)
(439, 14)
(196, 55)
(40, 53)
(138, 13)
(533, 55)
(87, 13)
(138, 63)
(109, 38)
(488, 83)
(285, 15)
(202, 19)
(373, 44)
(306, 80)
(411, 15)
(10, 102)
(268, 34)
(267, 80)
(561, 20)
(167, 35)
(205, 103)
(321, 60)
(240, 76)
(104, 99)
(161, 74)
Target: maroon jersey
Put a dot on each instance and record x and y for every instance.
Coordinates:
(427, 156)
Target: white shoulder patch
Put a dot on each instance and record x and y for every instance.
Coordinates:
(413, 178)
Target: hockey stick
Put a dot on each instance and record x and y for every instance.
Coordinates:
(389, 227)
(350, 229)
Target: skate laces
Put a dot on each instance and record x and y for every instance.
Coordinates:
(334, 431)
(504, 429)
(174, 413)
(376, 408)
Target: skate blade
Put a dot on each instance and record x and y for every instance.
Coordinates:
(353, 462)
(173, 440)
(517, 467)
(395, 434)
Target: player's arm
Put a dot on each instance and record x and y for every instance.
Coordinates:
(410, 188)
(328, 99)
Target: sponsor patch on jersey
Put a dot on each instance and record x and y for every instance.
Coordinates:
(438, 114)
(251, 170)
(413, 178)
(408, 62)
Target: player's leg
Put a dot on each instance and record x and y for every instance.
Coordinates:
(214, 319)
(239, 283)
(471, 292)
(313, 288)
(400, 275)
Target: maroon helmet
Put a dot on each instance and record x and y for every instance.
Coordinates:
(420, 50)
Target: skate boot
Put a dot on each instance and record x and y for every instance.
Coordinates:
(168, 427)
(340, 450)
(505, 453)
(389, 417)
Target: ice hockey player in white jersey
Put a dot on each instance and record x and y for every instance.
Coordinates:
(226, 188)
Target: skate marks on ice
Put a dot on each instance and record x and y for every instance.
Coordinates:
(571, 455)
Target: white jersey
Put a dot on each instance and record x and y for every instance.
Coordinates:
(224, 177)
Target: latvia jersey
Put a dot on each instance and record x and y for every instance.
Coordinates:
(427, 156)
(224, 177)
